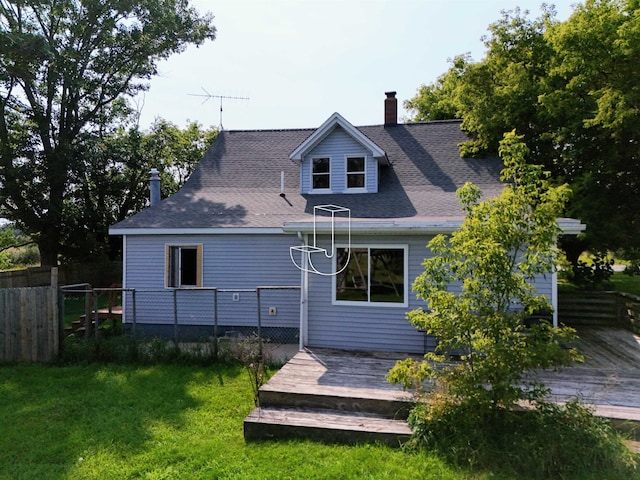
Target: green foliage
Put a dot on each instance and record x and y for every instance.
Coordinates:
(594, 274)
(248, 351)
(474, 280)
(66, 69)
(16, 248)
(571, 89)
(111, 183)
(550, 442)
(126, 350)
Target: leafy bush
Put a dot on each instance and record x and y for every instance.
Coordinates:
(551, 441)
(595, 274)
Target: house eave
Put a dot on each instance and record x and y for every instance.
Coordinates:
(323, 130)
(432, 226)
(571, 226)
(197, 231)
(377, 226)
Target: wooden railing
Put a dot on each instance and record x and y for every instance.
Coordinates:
(599, 308)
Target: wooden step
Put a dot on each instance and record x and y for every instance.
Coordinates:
(271, 423)
(389, 404)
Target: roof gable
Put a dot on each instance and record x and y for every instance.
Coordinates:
(326, 128)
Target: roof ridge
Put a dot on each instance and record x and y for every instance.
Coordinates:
(304, 129)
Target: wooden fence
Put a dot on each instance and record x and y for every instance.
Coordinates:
(98, 274)
(599, 308)
(29, 324)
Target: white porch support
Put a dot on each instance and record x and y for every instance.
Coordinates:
(304, 296)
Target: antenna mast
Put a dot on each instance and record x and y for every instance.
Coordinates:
(207, 96)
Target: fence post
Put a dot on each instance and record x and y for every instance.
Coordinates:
(54, 308)
(175, 316)
(133, 320)
(259, 322)
(96, 315)
(215, 322)
(87, 311)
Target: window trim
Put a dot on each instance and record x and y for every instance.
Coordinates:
(347, 173)
(368, 303)
(320, 190)
(167, 264)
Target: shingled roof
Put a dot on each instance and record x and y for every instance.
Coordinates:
(237, 183)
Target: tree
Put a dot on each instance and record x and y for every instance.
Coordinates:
(111, 182)
(474, 280)
(65, 68)
(572, 89)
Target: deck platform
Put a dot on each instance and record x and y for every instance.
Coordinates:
(324, 393)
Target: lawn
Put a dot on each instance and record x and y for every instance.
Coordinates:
(107, 421)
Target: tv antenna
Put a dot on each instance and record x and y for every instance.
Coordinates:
(208, 96)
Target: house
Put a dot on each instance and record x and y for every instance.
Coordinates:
(342, 212)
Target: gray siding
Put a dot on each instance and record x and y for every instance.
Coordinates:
(244, 262)
(337, 146)
(367, 327)
(374, 327)
(230, 262)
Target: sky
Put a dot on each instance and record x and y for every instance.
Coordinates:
(291, 64)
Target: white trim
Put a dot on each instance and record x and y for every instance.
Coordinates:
(323, 130)
(198, 231)
(196, 246)
(368, 303)
(554, 297)
(571, 226)
(378, 226)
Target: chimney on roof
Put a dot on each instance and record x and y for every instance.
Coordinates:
(154, 187)
(390, 109)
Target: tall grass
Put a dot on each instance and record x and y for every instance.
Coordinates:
(551, 441)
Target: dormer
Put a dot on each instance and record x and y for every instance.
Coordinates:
(338, 158)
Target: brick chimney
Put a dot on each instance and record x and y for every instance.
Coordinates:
(154, 187)
(390, 109)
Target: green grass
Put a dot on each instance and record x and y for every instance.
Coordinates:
(166, 422)
(74, 306)
(621, 282)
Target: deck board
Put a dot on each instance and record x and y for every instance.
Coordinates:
(608, 379)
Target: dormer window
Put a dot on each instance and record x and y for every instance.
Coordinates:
(356, 172)
(321, 173)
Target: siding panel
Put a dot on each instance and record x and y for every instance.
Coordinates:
(336, 146)
(230, 262)
(374, 327)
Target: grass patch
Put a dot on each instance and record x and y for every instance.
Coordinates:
(75, 306)
(619, 282)
(110, 421)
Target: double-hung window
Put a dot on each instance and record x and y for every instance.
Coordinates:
(372, 275)
(321, 173)
(183, 266)
(356, 172)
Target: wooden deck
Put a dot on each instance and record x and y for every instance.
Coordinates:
(321, 391)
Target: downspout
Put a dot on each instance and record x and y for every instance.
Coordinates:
(304, 295)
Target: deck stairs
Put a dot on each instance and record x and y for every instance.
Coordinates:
(328, 396)
(79, 326)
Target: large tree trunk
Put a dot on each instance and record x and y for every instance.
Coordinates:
(48, 245)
